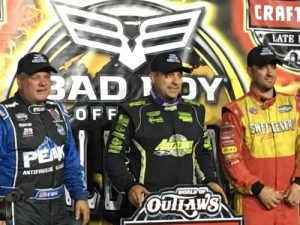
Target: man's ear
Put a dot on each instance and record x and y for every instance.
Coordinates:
(19, 77)
(152, 76)
(249, 71)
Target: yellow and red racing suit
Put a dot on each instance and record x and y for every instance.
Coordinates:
(260, 145)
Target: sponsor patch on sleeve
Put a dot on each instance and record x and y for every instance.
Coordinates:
(229, 150)
(2, 114)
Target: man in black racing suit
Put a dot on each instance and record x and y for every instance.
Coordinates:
(160, 140)
(37, 147)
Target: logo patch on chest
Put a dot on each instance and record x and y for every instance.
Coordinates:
(60, 129)
(48, 151)
(21, 116)
(55, 115)
(177, 145)
(253, 110)
(36, 109)
(185, 117)
(154, 117)
(28, 132)
(285, 108)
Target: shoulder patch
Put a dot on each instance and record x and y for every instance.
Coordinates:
(50, 102)
(11, 105)
(193, 102)
(3, 112)
(137, 103)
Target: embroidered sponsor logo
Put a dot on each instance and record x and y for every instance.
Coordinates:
(48, 151)
(43, 155)
(39, 58)
(12, 105)
(2, 113)
(253, 110)
(60, 129)
(118, 134)
(273, 127)
(25, 124)
(229, 150)
(154, 117)
(285, 108)
(36, 109)
(28, 132)
(177, 145)
(136, 103)
(55, 115)
(38, 171)
(155, 120)
(185, 116)
(21, 116)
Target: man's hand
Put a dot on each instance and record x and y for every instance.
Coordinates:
(216, 188)
(2, 222)
(137, 194)
(269, 197)
(292, 195)
(82, 208)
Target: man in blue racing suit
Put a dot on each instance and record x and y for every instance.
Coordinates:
(37, 147)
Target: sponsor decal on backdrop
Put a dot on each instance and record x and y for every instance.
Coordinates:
(276, 23)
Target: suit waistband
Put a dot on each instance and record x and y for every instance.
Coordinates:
(38, 193)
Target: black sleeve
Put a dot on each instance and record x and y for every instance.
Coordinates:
(204, 151)
(117, 145)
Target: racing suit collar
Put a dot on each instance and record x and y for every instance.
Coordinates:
(166, 105)
(266, 103)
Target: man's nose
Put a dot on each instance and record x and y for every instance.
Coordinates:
(43, 81)
(177, 78)
(270, 69)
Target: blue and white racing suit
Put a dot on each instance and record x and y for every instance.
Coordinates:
(37, 147)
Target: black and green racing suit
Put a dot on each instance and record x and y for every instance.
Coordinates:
(159, 144)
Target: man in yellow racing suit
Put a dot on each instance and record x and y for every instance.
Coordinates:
(260, 146)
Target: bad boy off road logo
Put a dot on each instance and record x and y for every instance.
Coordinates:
(103, 49)
(197, 204)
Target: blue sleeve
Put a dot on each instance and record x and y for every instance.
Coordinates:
(7, 150)
(73, 171)
(2, 133)
(2, 149)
